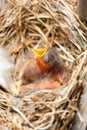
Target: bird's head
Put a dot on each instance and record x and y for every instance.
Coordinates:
(50, 57)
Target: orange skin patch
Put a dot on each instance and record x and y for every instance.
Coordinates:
(44, 84)
(47, 84)
(42, 65)
(33, 69)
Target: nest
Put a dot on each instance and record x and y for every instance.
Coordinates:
(23, 25)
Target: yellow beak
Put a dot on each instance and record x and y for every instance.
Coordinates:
(39, 52)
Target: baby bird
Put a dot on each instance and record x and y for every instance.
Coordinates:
(44, 71)
(40, 66)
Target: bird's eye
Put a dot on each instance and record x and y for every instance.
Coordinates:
(48, 58)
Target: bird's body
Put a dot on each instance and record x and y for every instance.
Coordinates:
(46, 72)
(36, 67)
(43, 84)
(33, 69)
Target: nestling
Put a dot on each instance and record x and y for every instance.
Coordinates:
(40, 66)
(44, 71)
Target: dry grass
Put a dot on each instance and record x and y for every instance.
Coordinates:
(23, 25)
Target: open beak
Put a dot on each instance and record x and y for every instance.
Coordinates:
(39, 52)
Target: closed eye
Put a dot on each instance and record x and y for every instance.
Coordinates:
(48, 58)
